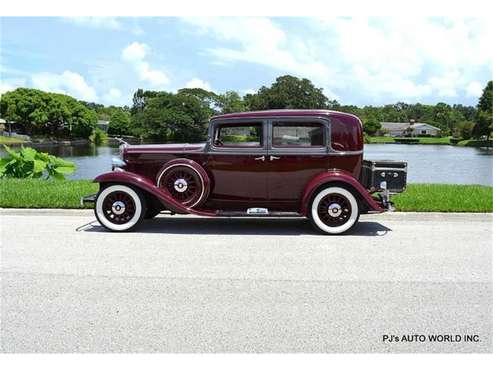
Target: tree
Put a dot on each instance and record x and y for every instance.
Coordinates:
(231, 102)
(38, 112)
(288, 92)
(207, 99)
(139, 100)
(371, 126)
(484, 116)
(119, 123)
(169, 117)
(465, 130)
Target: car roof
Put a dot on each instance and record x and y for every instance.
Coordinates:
(281, 113)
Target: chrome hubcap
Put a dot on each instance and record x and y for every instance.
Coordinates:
(180, 185)
(334, 210)
(118, 207)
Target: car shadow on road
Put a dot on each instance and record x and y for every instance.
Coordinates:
(237, 226)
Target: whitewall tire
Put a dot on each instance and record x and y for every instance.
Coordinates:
(119, 207)
(334, 210)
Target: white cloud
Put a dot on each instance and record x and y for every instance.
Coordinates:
(96, 22)
(398, 57)
(447, 84)
(11, 84)
(135, 54)
(113, 96)
(249, 91)
(264, 42)
(68, 82)
(474, 89)
(198, 83)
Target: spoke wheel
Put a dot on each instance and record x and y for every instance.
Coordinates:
(119, 207)
(334, 210)
(183, 184)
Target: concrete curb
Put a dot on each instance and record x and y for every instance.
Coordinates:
(394, 216)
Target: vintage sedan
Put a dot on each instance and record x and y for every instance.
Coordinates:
(278, 163)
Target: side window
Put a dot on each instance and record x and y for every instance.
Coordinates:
(239, 135)
(297, 134)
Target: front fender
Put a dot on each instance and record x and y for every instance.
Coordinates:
(340, 177)
(147, 185)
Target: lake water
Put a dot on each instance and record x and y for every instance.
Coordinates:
(426, 163)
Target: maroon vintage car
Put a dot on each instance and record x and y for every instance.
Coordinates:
(282, 163)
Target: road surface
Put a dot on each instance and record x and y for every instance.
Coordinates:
(187, 284)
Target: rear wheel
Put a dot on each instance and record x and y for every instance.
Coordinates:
(334, 210)
(119, 207)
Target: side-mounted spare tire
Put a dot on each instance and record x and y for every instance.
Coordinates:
(186, 181)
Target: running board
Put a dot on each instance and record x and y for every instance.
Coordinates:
(257, 214)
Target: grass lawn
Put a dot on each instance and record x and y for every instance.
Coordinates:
(16, 193)
(380, 139)
(445, 198)
(36, 193)
(434, 140)
(10, 140)
(475, 143)
(422, 140)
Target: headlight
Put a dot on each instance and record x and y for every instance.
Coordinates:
(118, 164)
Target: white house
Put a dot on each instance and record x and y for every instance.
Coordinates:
(411, 128)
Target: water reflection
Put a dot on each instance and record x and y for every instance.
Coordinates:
(439, 163)
(426, 163)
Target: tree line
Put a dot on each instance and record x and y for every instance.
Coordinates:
(182, 116)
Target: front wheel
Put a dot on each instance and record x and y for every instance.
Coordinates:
(119, 207)
(334, 210)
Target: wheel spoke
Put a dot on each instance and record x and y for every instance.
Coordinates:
(187, 195)
(128, 210)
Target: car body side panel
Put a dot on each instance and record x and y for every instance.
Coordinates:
(238, 181)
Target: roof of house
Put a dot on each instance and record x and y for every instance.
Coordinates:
(395, 125)
(404, 125)
(418, 125)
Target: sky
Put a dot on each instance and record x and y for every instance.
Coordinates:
(360, 61)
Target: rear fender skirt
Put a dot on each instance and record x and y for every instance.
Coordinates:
(341, 177)
(147, 185)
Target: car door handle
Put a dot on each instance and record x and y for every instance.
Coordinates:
(273, 157)
(260, 158)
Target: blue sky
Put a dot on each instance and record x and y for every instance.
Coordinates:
(355, 60)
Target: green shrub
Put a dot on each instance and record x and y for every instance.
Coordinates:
(29, 163)
(98, 136)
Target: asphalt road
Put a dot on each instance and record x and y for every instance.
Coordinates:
(187, 284)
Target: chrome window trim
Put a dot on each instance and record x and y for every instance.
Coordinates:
(267, 132)
(210, 148)
(302, 149)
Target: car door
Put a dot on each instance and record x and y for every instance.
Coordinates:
(237, 163)
(297, 152)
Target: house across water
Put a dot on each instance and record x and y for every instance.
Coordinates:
(411, 128)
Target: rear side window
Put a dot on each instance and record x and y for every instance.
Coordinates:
(297, 134)
(239, 135)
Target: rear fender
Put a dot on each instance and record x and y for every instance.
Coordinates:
(340, 177)
(148, 186)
